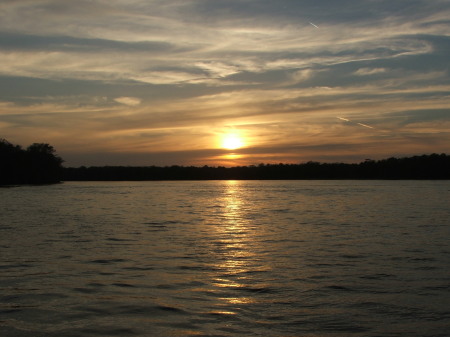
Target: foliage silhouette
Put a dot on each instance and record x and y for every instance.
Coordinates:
(38, 164)
(434, 166)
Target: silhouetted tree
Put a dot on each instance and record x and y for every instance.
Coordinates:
(419, 167)
(38, 164)
(45, 165)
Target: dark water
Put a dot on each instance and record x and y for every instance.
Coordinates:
(236, 258)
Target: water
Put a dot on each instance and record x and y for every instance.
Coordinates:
(226, 258)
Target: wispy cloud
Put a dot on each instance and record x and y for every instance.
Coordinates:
(369, 71)
(166, 77)
(131, 101)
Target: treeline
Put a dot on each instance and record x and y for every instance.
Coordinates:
(37, 164)
(434, 166)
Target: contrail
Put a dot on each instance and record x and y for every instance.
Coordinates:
(361, 124)
(365, 125)
(343, 119)
(313, 25)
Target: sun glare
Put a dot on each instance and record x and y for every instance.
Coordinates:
(232, 141)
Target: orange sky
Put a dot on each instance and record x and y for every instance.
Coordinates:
(162, 83)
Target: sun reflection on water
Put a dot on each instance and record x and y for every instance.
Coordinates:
(238, 260)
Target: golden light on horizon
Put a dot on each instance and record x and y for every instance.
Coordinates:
(232, 141)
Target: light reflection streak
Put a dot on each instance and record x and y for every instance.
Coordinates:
(238, 260)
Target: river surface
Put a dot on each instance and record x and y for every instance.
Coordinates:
(226, 258)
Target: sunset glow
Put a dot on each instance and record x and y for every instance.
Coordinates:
(232, 141)
(180, 82)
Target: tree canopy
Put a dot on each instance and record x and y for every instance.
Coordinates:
(434, 166)
(37, 164)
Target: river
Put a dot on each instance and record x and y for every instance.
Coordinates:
(226, 258)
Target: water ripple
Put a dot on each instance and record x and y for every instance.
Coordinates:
(225, 259)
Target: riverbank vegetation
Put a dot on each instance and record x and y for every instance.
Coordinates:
(434, 166)
(37, 164)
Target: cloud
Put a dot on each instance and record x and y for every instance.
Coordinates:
(369, 71)
(217, 69)
(156, 76)
(129, 42)
(130, 101)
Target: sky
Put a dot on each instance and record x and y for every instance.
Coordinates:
(225, 82)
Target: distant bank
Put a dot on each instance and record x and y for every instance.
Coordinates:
(434, 166)
(39, 164)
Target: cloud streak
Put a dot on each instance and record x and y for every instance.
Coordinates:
(165, 78)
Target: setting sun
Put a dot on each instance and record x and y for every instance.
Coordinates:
(232, 141)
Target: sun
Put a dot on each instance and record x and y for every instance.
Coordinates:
(232, 141)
